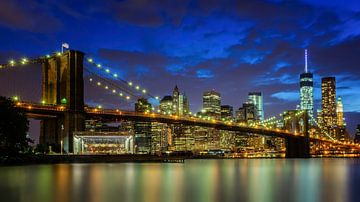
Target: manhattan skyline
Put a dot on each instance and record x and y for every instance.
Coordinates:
(197, 46)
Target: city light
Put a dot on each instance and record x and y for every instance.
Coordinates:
(273, 124)
(16, 98)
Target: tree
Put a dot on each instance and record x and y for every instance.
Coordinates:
(14, 126)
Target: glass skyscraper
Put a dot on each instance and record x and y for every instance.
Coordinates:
(307, 90)
(256, 99)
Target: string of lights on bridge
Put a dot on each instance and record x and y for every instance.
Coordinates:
(116, 77)
(130, 84)
(26, 60)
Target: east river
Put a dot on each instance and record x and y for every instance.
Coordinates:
(260, 180)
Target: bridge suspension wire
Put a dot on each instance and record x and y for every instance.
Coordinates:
(111, 86)
(322, 131)
(115, 76)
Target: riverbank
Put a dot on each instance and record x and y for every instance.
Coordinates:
(55, 159)
(129, 158)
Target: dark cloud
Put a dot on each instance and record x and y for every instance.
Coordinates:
(149, 13)
(28, 15)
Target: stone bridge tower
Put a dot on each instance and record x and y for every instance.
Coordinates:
(63, 84)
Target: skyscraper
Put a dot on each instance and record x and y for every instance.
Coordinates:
(341, 132)
(328, 94)
(256, 98)
(175, 97)
(166, 105)
(307, 89)
(180, 103)
(142, 130)
(340, 113)
(212, 104)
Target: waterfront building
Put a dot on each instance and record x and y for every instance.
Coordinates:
(227, 113)
(256, 98)
(212, 104)
(307, 90)
(183, 137)
(329, 115)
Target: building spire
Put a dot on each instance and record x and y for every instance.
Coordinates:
(306, 61)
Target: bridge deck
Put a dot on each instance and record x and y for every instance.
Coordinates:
(36, 110)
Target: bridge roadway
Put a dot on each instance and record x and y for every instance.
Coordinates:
(39, 111)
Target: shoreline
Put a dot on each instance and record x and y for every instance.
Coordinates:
(126, 158)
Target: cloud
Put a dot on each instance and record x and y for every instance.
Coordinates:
(204, 73)
(280, 65)
(287, 96)
(176, 69)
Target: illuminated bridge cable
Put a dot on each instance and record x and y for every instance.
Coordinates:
(124, 89)
(116, 77)
(111, 86)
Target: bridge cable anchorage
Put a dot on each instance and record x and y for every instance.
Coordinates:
(110, 86)
(116, 77)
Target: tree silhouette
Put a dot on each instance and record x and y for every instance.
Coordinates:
(13, 128)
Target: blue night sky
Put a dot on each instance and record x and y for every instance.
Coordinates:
(233, 47)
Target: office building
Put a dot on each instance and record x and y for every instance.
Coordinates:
(212, 104)
(328, 97)
(227, 113)
(357, 134)
(142, 130)
(247, 114)
(166, 105)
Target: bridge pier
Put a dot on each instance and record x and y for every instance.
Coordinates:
(297, 147)
(63, 84)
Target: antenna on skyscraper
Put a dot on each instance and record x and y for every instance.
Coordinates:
(306, 61)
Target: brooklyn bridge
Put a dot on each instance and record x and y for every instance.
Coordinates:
(63, 112)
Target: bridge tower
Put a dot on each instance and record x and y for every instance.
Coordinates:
(63, 84)
(299, 147)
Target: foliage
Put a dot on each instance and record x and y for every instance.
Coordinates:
(14, 126)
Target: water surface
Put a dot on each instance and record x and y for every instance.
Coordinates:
(196, 180)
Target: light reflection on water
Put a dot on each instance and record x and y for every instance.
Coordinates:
(260, 180)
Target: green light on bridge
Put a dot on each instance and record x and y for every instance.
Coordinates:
(15, 98)
(63, 101)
